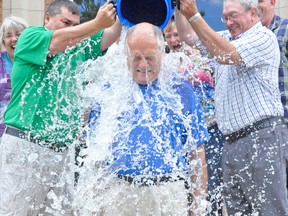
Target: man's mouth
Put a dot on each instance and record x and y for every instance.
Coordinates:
(233, 28)
(150, 71)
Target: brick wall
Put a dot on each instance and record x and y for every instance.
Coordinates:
(0, 11)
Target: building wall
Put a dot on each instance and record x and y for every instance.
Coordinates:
(0, 11)
(33, 10)
(282, 8)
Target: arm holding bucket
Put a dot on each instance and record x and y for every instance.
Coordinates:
(110, 35)
(185, 31)
(217, 46)
(70, 36)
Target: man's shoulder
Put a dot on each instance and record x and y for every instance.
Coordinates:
(35, 28)
(281, 20)
(178, 80)
(34, 31)
(184, 88)
(257, 32)
(279, 23)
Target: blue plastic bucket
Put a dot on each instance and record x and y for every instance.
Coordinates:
(156, 12)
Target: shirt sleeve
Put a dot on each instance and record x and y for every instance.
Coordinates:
(255, 48)
(33, 45)
(192, 109)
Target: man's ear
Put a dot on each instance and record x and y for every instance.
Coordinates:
(46, 18)
(253, 13)
(273, 2)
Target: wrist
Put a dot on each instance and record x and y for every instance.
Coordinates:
(194, 17)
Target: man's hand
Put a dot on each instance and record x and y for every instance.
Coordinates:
(106, 15)
(188, 8)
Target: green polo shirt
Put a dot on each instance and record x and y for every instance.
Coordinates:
(44, 92)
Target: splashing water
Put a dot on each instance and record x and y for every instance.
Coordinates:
(105, 85)
(112, 92)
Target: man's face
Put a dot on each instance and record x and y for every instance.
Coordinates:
(62, 20)
(267, 11)
(144, 59)
(236, 18)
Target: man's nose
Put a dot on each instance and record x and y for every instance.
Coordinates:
(143, 62)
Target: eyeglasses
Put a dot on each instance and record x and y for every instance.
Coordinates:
(231, 18)
(9, 36)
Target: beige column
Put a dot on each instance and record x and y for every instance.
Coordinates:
(30, 10)
(33, 10)
(281, 8)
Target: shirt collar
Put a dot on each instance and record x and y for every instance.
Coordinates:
(247, 32)
(275, 23)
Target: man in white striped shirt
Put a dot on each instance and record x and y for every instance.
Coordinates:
(248, 107)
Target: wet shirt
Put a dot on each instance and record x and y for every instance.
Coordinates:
(5, 85)
(248, 92)
(280, 28)
(204, 88)
(44, 98)
(155, 135)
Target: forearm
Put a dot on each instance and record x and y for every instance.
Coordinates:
(218, 47)
(200, 176)
(223, 51)
(70, 36)
(199, 181)
(110, 35)
(185, 31)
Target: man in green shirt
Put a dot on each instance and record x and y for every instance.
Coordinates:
(43, 116)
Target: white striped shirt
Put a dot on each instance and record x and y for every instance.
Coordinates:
(249, 92)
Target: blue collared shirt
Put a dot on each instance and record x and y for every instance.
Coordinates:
(154, 137)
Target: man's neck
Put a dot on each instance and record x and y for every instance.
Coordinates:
(269, 21)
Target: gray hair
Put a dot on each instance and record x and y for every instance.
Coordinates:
(54, 7)
(156, 31)
(247, 4)
(12, 22)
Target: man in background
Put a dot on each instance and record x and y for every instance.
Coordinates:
(249, 110)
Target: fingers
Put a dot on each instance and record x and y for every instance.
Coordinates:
(109, 5)
(188, 7)
(112, 2)
(111, 8)
(106, 15)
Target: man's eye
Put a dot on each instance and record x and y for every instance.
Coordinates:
(136, 58)
(150, 58)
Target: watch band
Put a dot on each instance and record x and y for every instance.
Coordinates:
(195, 16)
